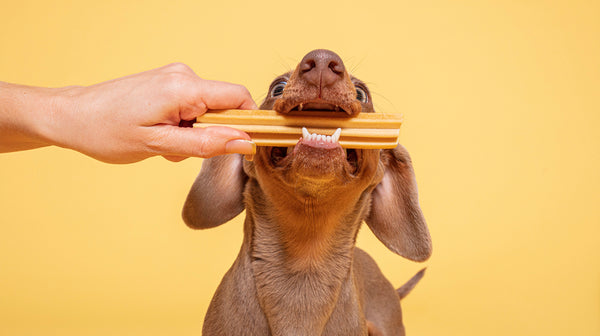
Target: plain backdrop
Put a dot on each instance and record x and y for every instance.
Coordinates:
(501, 105)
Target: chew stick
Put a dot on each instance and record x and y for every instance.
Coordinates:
(269, 128)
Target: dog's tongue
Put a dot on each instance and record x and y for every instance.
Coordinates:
(320, 140)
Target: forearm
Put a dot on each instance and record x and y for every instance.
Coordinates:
(26, 115)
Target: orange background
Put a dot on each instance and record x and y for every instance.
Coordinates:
(501, 105)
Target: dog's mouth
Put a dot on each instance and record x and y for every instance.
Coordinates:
(322, 150)
(322, 105)
(318, 156)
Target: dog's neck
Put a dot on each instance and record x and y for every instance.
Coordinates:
(301, 258)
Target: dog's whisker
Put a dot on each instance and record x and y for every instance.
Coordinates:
(375, 93)
(357, 65)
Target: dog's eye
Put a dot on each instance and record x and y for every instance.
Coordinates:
(277, 89)
(361, 94)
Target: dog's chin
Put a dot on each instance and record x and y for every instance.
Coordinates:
(314, 165)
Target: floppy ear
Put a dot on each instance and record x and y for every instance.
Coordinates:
(217, 194)
(396, 218)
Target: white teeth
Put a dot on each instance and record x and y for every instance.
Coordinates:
(305, 133)
(320, 137)
(336, 136)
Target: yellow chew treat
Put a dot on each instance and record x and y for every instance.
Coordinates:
(269, 128)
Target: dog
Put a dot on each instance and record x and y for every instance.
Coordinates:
(298, 271)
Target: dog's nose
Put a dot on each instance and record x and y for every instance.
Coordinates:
(322, 68)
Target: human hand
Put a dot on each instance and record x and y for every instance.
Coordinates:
(135, 117)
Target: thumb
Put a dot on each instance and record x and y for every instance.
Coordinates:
(173, 141)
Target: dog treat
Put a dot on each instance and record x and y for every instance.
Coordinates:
(269, 128)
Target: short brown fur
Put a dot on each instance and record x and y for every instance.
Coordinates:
(298, 271)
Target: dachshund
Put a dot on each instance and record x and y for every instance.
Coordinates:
(298, 271)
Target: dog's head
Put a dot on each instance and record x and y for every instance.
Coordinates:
(317, 171)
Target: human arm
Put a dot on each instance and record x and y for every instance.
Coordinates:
(126, 119)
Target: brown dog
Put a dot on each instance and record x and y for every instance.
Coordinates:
(298, 271)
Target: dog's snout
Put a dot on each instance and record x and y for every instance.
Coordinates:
(322, 68)
(320, 82)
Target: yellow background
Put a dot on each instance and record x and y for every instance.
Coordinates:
(502, 110)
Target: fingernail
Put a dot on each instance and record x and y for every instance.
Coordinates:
(241, 147)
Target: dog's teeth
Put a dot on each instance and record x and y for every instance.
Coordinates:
(305, 133)
(336, 136)
(300, 107)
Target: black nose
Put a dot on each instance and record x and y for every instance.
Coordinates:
(322, 68)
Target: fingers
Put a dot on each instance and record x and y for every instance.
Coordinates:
(214, 95)
(223, 95)
(175, 143)
(195, 95)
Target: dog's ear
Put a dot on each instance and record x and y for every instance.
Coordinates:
(217, 194)
(395, 217)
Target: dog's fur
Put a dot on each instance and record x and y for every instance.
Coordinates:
(298, 271)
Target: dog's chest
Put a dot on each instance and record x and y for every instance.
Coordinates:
(308, 304)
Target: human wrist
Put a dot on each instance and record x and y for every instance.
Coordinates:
(54, 110)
